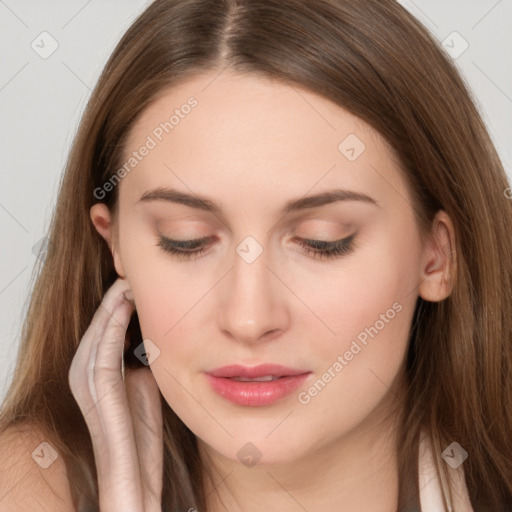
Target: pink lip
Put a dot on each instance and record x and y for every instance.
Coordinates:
(255, 393)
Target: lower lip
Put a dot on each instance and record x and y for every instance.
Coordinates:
(255, 393)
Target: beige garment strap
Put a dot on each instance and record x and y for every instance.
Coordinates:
(433, 488)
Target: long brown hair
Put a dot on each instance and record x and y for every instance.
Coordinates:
(377, 61)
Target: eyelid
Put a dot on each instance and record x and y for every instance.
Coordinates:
(321, 249)
(204, 240)
(326, 228)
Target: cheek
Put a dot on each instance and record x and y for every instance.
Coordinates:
(363, 313)
(163, 292)
(357, 364)
(167, 317)
(347, 298)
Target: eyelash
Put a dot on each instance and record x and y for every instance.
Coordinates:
(317, 248)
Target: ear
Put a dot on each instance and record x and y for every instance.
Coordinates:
(438, 264)
(102, 220)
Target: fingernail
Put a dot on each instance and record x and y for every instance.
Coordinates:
(128, 294)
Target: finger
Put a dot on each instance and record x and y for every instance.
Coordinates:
(94, 332)
(145, 404)
(120, 473)
(91, 383)
(83, 373)
(113, 297)
(112, 345)
(105, 377)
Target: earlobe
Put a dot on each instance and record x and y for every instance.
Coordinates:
(102, 221)
(439, 261)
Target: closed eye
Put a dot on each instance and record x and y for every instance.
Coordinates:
(192, 249)
(323, 249)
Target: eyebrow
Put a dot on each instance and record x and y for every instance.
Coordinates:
(303, 203)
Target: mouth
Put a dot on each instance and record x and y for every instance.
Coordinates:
(266, 378)
(266, 371)
(257, 385)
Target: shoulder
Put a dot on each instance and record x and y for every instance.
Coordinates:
(32, 475)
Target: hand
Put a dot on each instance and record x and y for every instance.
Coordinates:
(124, 417)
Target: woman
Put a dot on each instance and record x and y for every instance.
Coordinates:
(301, 193)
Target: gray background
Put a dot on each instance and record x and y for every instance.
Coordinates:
(41, 101)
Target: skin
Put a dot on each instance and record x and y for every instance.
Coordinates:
(250, 145)
(124, 421)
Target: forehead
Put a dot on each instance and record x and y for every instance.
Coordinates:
(248, 135)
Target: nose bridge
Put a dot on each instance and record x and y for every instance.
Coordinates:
(251, 306)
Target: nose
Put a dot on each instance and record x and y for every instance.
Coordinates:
(253, 307)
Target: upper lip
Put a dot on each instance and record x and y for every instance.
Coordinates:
(251, 372)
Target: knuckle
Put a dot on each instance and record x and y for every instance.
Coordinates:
(105, 379)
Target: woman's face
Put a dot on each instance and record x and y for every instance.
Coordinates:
(254, 151)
